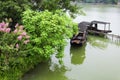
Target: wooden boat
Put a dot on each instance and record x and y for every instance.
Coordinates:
(81, 37)
(94, 26)
(78, 39)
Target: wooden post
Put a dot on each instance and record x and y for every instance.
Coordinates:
(96, 26)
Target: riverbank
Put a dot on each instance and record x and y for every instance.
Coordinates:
(98, 5)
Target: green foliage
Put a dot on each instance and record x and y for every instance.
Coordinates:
(53, 5)
(14, 8)
(48, 31)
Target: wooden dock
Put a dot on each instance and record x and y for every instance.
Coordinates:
(92, 28)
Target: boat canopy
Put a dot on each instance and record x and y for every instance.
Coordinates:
(99, 22)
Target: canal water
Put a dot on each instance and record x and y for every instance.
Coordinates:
(98, 59)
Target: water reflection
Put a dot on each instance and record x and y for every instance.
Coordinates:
(99, 42)
(43, 72)
(77, 54)
(114, 40)
(102, 42)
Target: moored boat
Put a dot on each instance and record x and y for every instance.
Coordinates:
(99, 28)
(78, 39)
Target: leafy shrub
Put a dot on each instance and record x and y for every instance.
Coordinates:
(48, 31)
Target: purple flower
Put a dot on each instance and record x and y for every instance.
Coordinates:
(19, 37)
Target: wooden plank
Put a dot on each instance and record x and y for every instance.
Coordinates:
(113, 35)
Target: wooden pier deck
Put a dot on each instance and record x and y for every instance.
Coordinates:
(111, 35)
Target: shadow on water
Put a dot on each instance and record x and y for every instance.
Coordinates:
(43, 72)
(77, 54)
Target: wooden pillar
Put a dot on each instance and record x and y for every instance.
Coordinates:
(96, 26)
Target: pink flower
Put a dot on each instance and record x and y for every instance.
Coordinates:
(19, 37)
(16, 25)
(23, 33)
(7, 30)
(2, 24)
(26, 41)
(15, 31)
(17, 45)
(2, 29)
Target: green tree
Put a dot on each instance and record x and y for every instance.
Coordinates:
(48, 31)
(52, 5)
(14, 8)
